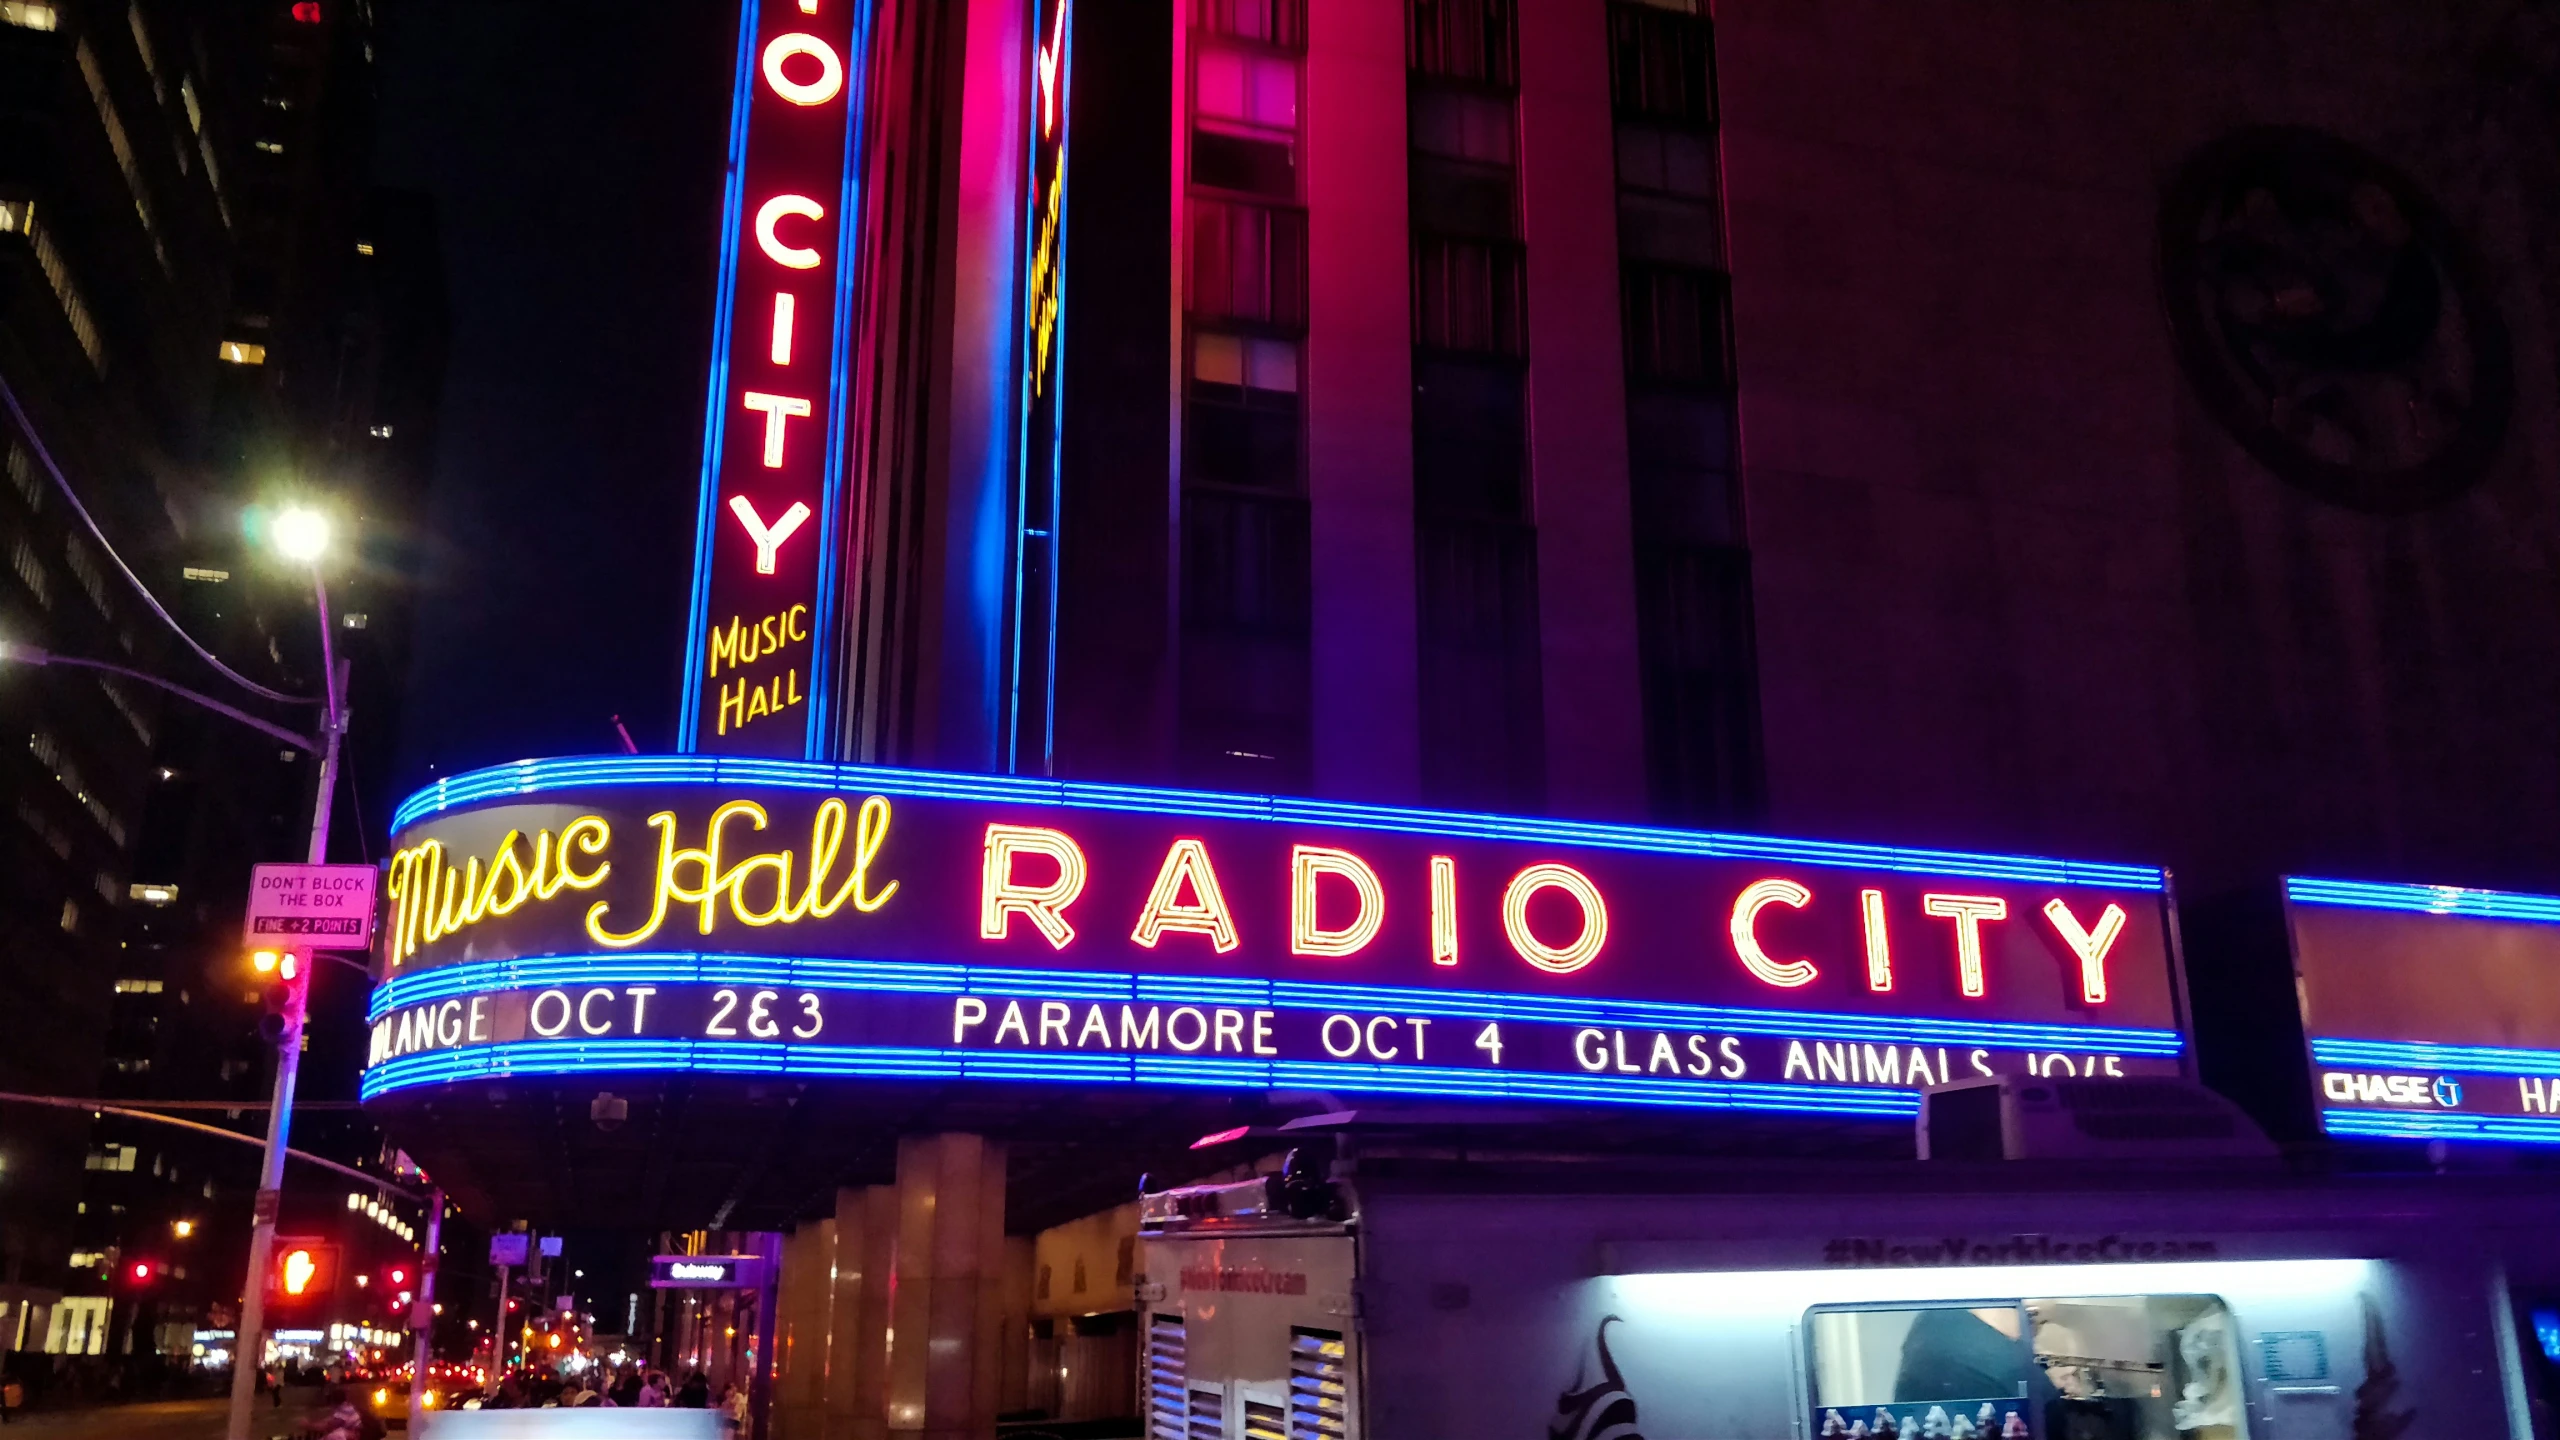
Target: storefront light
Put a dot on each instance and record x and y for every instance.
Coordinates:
(1722, 1292)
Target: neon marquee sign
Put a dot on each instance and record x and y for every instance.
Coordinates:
(1031, 606)
(648, 913)
(772, 470)
(2432, 1011)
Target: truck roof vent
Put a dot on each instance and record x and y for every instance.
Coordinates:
(2014, 1117)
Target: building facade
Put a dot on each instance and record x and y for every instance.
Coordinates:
(253, 327)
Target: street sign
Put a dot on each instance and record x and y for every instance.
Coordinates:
(328, 907)
(706, 1272)
(508, 1248)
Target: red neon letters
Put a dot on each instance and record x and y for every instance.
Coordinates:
(1555, 959)
(2090, 945)
(1744, 927)
(1309, 864)
(1186, 867)
(1338, 907)
(1001, 896)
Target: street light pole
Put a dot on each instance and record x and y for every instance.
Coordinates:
(423, 1316)
(249, 1356)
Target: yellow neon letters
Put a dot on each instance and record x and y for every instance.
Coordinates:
(743, 642)
(717, 878)
(433, 899)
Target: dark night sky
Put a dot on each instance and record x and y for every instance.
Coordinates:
(574, 151)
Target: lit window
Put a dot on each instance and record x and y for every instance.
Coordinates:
(1249, 89)
(380, 432)
(22, 557)
(356, 620)
(242, 352)
(154, 895)
(32, 14)
(142, 46)
(1253, 364)
(271, 147)
(71, 916)
(18, 217)
(364, 247)
(187, 97)
(123, 149)
(199, 572)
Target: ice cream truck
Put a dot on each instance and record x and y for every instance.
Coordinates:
(1430, 1281)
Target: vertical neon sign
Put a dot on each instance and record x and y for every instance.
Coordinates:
(772, 464)
(1032, 631)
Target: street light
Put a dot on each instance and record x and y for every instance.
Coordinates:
(301, 536)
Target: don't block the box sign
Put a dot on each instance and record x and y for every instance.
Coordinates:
(762, 917)
(2433, 1012)
(705, 1272)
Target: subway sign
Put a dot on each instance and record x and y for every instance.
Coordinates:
(658, 914)
(705, 1272)
(2432, 1011)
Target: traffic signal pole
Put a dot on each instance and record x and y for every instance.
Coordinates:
(423, 1317)
(250, 1352)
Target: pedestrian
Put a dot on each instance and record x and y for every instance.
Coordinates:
(13, 1396)
(653, 1393)
(733, 1403)
(696, 1394)
(339, 1419)
(274, 1382)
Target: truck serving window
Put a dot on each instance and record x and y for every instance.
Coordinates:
(2136, 1367)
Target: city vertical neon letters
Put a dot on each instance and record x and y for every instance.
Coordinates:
(768, 538)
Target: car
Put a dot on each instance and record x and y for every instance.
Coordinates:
(389, 1401)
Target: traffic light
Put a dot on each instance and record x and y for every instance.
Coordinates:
(304, 1271)
(288, 976)
(141, 1272)
(399, 1276)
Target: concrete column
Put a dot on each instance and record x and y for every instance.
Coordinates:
(858, 1334)
(1359, 403)
(802, 1343)
(946, 1289)
(1578, 414)
(1013, 1347)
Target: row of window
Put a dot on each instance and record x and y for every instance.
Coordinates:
(1244, 544)
(18, 217)
(1246, 609)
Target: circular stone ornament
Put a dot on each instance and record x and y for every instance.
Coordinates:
(2334, 321)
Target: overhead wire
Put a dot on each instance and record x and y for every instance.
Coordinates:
(26, 429)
